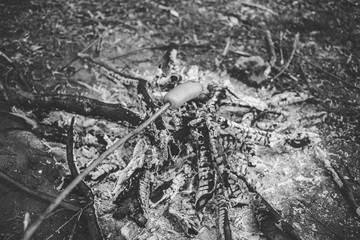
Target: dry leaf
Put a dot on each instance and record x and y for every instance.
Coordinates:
(256, 69)
(35, 48)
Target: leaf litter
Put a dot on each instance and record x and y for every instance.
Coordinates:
(293, 181)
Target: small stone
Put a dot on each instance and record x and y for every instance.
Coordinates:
(153, 238)
(207, 234)
(88, 122)
(130, 230)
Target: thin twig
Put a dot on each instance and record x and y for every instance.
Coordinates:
(72, 217)
(328, 73)
(107, 66)
(73, 230)
(305, 79)
(161, 47)
(226, 49)
(6, 57)
(271, 48)
(141, 86)
(64, 224)
(84, 50)
(17, 70)
(327, 228)
(295, 43)
(131, 53)
(281, 48)
(254, 5)
(40, 195)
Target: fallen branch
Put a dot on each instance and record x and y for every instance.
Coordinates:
(73, 104)
(7, 180)
(89, 213)
(15, 121)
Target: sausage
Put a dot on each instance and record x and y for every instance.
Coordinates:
(183, 93)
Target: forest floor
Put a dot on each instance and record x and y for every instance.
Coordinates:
(300, 59)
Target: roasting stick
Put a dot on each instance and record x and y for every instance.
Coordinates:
(174, 98)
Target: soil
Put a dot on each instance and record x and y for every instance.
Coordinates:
(315, 188)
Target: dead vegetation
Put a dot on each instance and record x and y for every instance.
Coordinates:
(278, 113)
